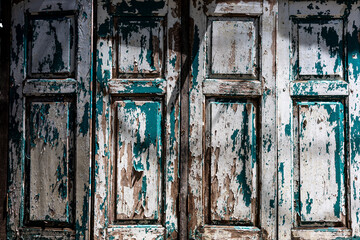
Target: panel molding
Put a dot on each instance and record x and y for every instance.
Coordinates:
(242, 164)
(136, 151)
(63, 66)
(320, 114)
(150, 39)
(312, 53)
(233, 59)
(64, 173)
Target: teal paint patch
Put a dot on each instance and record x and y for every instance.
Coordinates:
(234, 138)
(281, 171)
(84, 125)
(152, 86)
(246, 147)
(173, 61)
(195, 57)
(288, 129)
(309, 201)
(105, 28)
(152, 134)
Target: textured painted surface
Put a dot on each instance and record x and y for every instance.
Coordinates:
(321, 147)
(138, 163)
(141, 46)
(50, 144)
(52, 46)
(206, 56)
(233, 162)
(318, 159)
(234, 46)
(148, 33)
(320, 48)
(57, 30)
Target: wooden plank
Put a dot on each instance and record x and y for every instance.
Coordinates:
(184, 123)
(50, 233)
(352, 26)
(321, 8)
(223, 7)
(284, 124)
(50, 144)
(321, 233)
(145, 232)
(137, 86)
(321, 196)
(233, 166)
(138, 159)
(216, 87)
(230, 232)
(319, 88)
(37, 87)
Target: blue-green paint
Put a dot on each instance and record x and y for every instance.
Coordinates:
(309, 201)
(195, 57)
(84, 125)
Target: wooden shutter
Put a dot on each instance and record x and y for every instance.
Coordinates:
(232, 178)
(49, 155)
(137, 119)
(318, 103)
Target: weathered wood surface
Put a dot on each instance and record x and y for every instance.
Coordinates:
(138, 159)
(233, 166)
(44, 176)
(55, 37)
(140, 46)
(237, 53)
(137, 58)
(4, 109)
(318, 110)
(225, 46)
(320, 47)
(321, 143)
(50, 147)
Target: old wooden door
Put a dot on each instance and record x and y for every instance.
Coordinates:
(137, 119)
(319, 119)
(49, 147)
(232, 165)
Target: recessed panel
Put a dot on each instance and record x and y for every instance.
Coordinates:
(233, 162)
(321, 162)
(51, 46)
(233, 47)
(321, 49)
(138, 161)
(140, 48)
(50, 131)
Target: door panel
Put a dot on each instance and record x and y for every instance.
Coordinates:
(232, 160)
(49, 120)
(317, 96)
(232, 178)
(137, 119)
